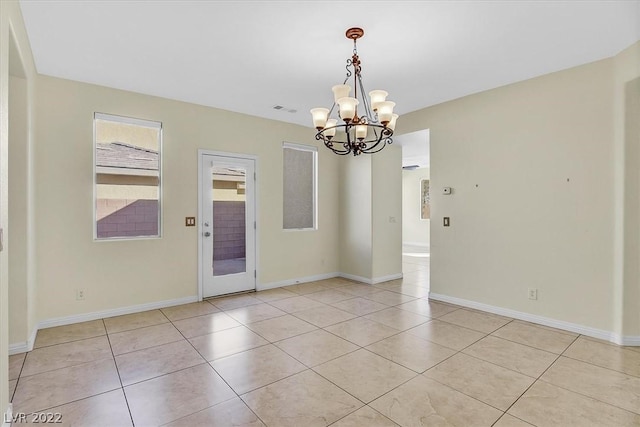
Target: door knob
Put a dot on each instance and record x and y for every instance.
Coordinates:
(207, 234)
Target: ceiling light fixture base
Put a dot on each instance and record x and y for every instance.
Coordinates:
(354, 33)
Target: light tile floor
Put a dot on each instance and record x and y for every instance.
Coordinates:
(333, 352)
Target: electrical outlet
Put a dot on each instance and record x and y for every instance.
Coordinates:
(80, 294)
(533, 293)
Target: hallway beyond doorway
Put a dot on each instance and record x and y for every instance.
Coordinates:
(416, 263)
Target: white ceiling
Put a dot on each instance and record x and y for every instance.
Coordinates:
(248, 56)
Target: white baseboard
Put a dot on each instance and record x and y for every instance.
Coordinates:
(18, 347)
(541, 320)
(356, 278)
(382, 279)
(630, 340)
(8, 416)
(67, 320)
(373, 281)
(25, 346)
(418, 244)
(288, 282)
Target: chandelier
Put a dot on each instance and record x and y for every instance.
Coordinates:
(363, 125)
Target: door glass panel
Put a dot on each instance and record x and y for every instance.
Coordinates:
(229, 228)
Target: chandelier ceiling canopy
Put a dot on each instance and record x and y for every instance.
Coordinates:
(361, 124)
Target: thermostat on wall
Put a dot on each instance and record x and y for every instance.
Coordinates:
(446, 190)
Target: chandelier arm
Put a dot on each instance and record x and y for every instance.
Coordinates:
(384, 138)
(349, 64)
(372, 147)
(331, 110)
(339, 152)
(375, 131)
(384, 144)
(329, 144)
(365, 101)
(342, 153)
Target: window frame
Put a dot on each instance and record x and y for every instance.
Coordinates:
(314, 151)
(131, 121)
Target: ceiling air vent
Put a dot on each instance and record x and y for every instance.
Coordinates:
(287, 109)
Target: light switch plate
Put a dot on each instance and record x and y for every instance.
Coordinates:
(190, 221)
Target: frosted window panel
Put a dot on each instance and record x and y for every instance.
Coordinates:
(299, 188)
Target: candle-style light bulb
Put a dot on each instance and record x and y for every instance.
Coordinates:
(330, 130)
(377, 96)
(385, 111)
(340, 91)
(319, 116)
(347, 108)
(392, 124)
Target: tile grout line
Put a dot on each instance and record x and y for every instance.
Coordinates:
(311, 368)
(70, 341)
(359, 348)
(482, 360)
(15, 389)
(119, 377)
(84, 363)
(113, 355)
(579, 393)
(538, 378)
(216, 372)
(558, 356)
(602, 367)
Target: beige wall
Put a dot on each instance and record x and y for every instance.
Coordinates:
(355, 216)
(125, 273)
(531, 165)
(414, 229)
(370, 195)
(18, 199)
(386, 202)
(15, 55)
(627, 190)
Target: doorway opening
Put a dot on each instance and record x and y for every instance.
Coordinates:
(416, 207)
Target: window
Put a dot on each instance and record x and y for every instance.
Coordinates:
(127, 177)
(425, 206)
(300, 186)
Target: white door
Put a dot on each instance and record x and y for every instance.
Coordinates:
(227, 224)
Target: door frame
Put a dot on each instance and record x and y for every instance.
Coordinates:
(201, 153)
